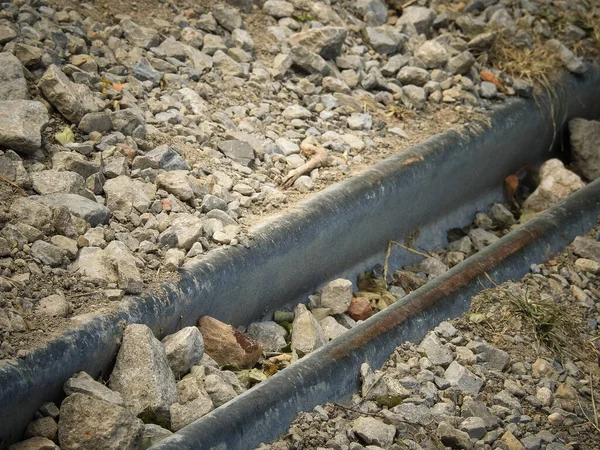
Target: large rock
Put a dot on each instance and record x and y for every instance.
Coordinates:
(337, 295)
(143, 377)
(585, 147)
(21, 125)
(227, 345)
(128, 275)
(83, 384)
(557, 183)
(374, 432)
(153, 434)
(95, 264)
(13, 85)
(308, 334)
(194, 402)
(463, 378)
(435, 350)
(219, 390)
(382, 39)
(587, 247)
(72, 100)
(326, 41)
(422, 18)
(92, 212)
(184, 231)
(31, 212)
(93, 424)
(162, 157)
(308, 61)
(47, 253)
(126, 195)
(140, 36)
(176, 182)
(53, 181)
(240, 151)
(374, 12)
(270, 335)
(433, 54)
(35, 443)
(184, 349)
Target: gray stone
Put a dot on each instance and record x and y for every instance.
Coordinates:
(337, 295)
(360, 122)
(143, 377)
(173, 48)
(585, 147)
(47, 253)
(383, 40)
(435, 350)
(130, 122)
(331, 327)
(326, 41)
(88, 210)
(31, 212)
(228, 18)
(72, 100)
(173, 259)
(194, 402)
(144, 71)
(176, 182)
(162, 157)
(227, 65)
(488, 90)
(184, 349)
(394, 64)
(422, 18)
(153, 434)
(128, 275)
(414, 96)
(463, 378)
(522, 88)
(7, 34)
(374, 12)
(95, 264)
(296, 112)
(481, 238)
(413, 75)
(93, 424)
(452, 437)
(95, 121)
(21, 125)
(308, 334)
(52, 306)
(91, 388)
(213, 43)
(140, 36)
(557, 183)
(506, 399)
(13, 85)
(501, 216)
(219, 390)
(432, 266)
(74, 162)
(126, 195)
(34, 443)
(53, 181)
(461, 63)
(433, 54)
(278, 8)
(474, 427)
(374, 432)
(463, 245)
(184, 231)
(473, 408)
(568, 58)
(411, 413)
(239, 151)
(309, 61)
(586, 247)
(269, 334)
(210, 202)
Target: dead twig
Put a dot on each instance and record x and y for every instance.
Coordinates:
(389, 251)
(319, 157)
(12, 183)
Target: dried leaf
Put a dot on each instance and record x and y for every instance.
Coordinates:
(486, 76)
(477, 318)
(388, 400)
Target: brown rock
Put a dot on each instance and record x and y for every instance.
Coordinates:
(36, 443)
(45, 427)
(512, 443)
(360, 308)
(228, 346)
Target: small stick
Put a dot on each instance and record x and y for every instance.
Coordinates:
(357, 411)
(319, 157)
(12, 183)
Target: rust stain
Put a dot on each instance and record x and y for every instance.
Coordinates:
(412, 159)
(438, 293)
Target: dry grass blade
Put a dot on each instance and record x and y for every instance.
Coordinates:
(389, 251)
(9, 181)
